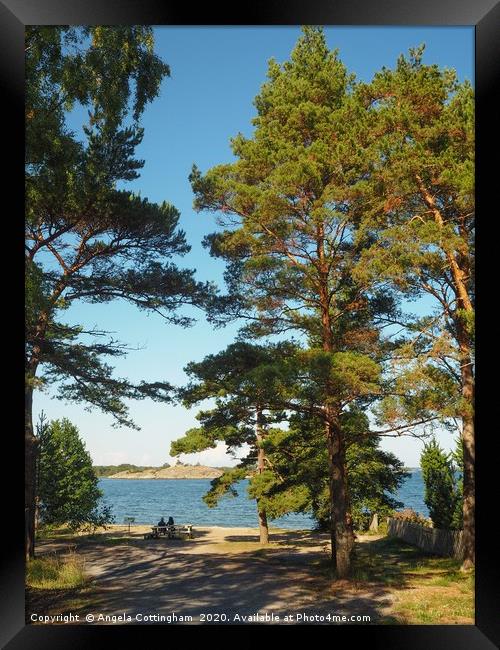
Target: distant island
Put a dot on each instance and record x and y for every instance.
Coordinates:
(179, 471)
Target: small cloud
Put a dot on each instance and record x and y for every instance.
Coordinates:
(217, 457)
(111, 458)
(145, 459)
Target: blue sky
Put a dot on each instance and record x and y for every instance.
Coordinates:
(215, 75)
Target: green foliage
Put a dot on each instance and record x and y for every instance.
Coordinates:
(443, 495)
(35, 299)
(275, 499)
(299, 461)
(224, 485)
(240, 378)
(374, 477)
(415, 210)
(287, 233)
(421, 388)
(67, 486)
(194, 440)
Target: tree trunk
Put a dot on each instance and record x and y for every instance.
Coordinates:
(341, 532)
(30, 453)
(263, 529)
(469, 505)
(468, 442)
(259, 432)
(30, 441)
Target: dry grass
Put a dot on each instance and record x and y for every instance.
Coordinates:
(56, 572)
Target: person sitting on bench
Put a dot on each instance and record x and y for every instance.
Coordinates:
(170, 521)
(161, 523)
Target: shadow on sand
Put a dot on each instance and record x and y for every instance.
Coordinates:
(159, 577)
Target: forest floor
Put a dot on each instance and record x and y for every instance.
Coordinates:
(224, 575)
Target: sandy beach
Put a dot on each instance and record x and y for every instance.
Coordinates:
(206, 539)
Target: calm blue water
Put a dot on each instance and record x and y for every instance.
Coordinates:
(411, 493)
(149, 499)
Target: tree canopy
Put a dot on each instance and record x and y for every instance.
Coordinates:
(87, 239)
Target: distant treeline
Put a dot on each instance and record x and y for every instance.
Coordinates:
(109, 470)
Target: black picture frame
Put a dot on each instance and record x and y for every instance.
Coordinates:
(485, 16)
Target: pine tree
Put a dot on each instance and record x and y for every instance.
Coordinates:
(288, 238)
(417, 214)
(239, 380)
(297, 480)
(288, 467)
(441, 492)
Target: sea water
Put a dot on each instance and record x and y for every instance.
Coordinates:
(147, 500)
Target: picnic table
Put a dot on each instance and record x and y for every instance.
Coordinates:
(170, 531)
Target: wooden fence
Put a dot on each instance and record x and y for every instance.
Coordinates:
(432, 540)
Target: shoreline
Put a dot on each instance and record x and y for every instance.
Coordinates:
(161, 478)
(156, 478)
(206, 527)
(206, 539)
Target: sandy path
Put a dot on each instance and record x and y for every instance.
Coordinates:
(218, 574)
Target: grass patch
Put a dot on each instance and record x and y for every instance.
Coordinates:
(434, 606)
(54, 532)
(428, 589)
(57, 584)
(51, 532)
(55, 572)
(81, 536)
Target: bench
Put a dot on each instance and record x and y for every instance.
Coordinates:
(170, 531)
(184, 529)
(158, 531)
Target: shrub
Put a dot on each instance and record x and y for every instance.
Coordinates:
(442, 492)
(67, 487)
